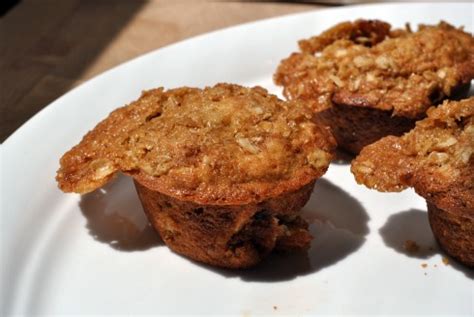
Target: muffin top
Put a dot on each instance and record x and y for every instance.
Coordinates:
(366, 64)
(221, 145)
(436, 158)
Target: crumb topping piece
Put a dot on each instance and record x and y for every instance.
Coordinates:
(222, 142)
(411, 246)
(436, 158)
(365, 63)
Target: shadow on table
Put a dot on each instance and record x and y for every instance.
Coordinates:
(412, 226)
(50, 45)
(115, 217)
(338, 223)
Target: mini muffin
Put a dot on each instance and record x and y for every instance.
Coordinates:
(221, 172)
(367, 81)
(436, 158)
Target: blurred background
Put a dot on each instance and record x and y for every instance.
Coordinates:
(47, 47)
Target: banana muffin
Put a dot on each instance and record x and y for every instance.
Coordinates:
(436, 158)
(222, 172)
(367, 81)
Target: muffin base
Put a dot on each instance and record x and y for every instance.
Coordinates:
(454, 233)
(355, 127)
(231, 236)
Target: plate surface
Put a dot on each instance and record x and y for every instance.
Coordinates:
(66, 254)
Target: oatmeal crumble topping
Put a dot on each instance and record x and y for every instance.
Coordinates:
(190, 141)
(365, 63)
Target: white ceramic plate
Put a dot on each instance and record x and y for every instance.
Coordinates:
(63, 254)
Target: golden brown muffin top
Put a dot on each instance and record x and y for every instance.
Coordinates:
(436, 158)
(365, 64)
(224, 145)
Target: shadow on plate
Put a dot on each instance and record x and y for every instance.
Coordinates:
(338, 223)
(409, 233)
(115, 217)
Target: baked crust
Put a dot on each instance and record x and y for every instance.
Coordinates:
(221, 172)
(222, 145)
(436, 159)
(364, 64)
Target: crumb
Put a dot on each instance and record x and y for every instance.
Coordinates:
(275, 307)
(424, 265)
(411, 246)
(445, 260)
(426, 273)
(435, 265)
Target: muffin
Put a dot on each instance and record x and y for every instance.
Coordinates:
(367, 81)
(221, 172)
(436, 159)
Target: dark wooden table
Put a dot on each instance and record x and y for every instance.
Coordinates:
(48, 47)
